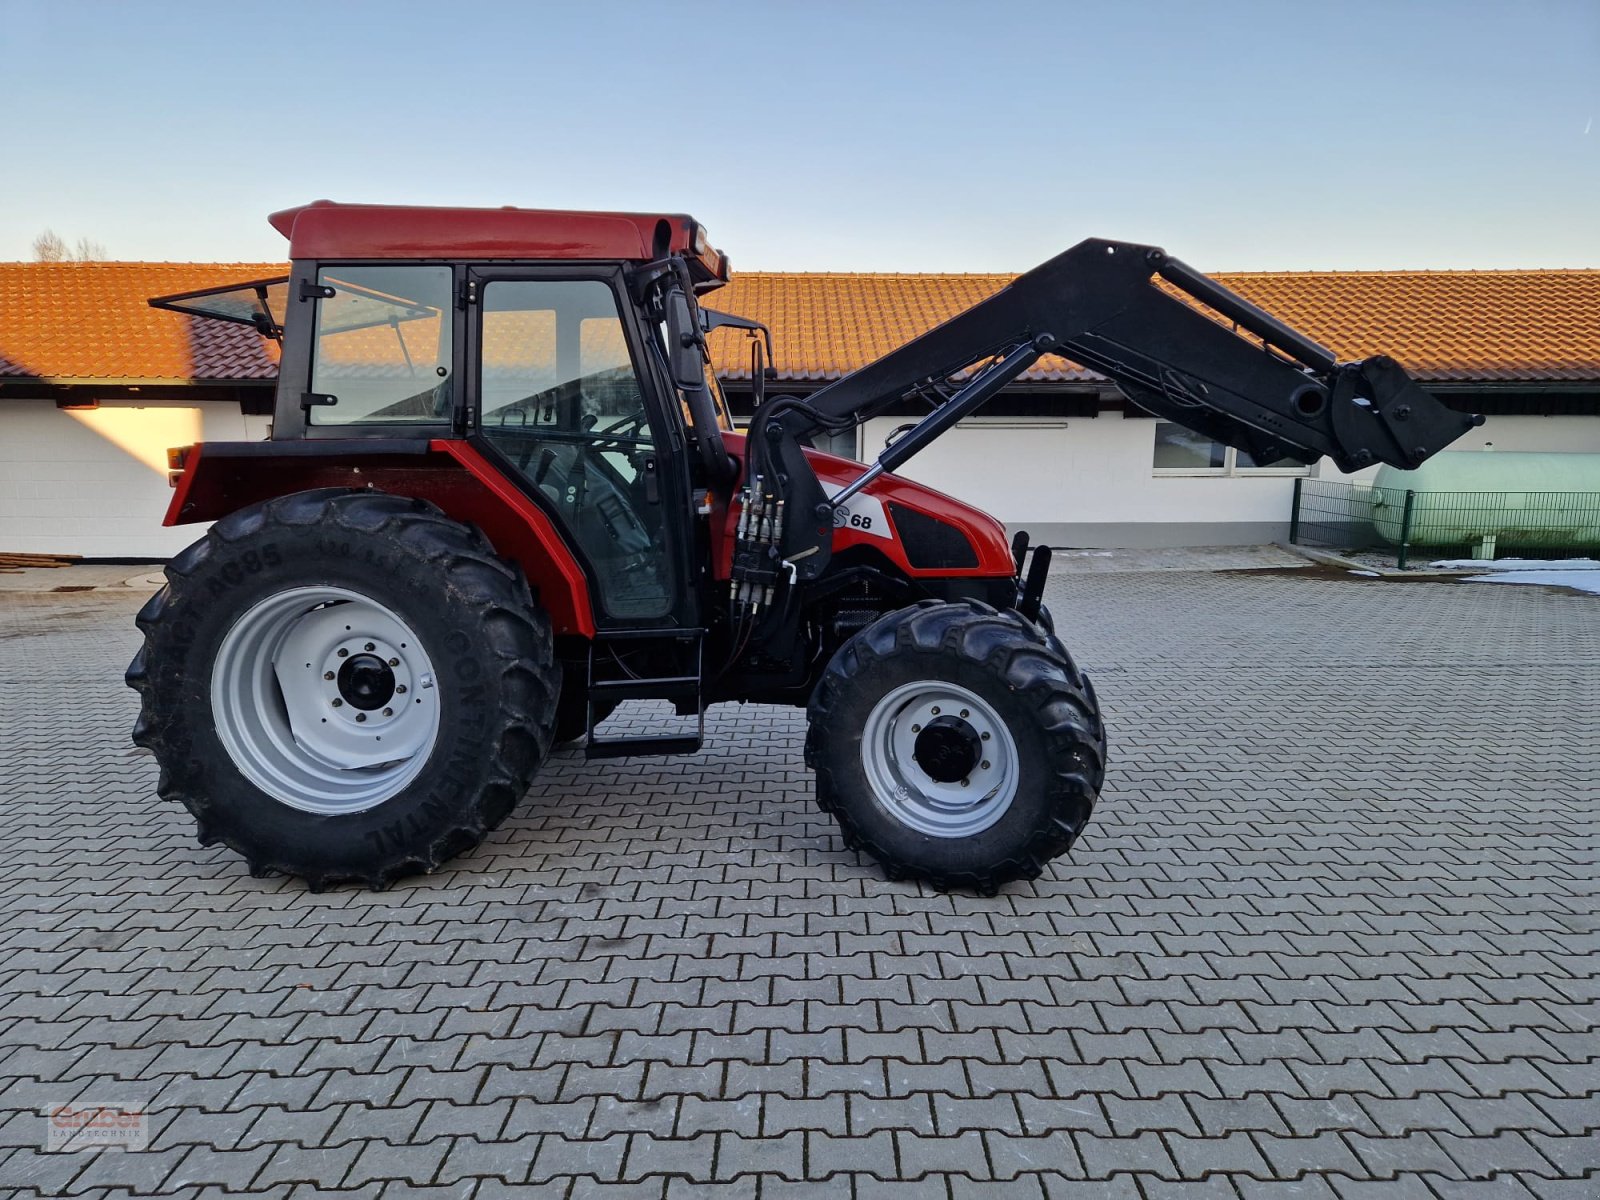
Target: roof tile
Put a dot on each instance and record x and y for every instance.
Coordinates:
(65, 321)
(85, 321)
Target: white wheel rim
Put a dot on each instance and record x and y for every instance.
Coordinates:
(901, 785)
(293, 694)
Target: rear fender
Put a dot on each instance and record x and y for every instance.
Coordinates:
(221, 477)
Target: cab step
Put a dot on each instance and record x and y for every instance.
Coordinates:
(611, 680)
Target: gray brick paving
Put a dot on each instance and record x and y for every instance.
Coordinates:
(1331, 935)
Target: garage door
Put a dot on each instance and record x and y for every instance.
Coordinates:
(93, 482)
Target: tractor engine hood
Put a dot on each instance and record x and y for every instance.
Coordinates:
(922, 532)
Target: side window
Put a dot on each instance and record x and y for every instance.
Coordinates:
(382, 346)
(562, 402)
(555, 358)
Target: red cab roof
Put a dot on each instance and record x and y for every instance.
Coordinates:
(325, 230)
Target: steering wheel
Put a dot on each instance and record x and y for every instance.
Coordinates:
(634, 422)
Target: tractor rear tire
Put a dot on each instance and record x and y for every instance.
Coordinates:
(298, 634)
(956, 744)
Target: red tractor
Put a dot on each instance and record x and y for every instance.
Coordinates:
(503, 495)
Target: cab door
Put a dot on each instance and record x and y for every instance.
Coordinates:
(561, 393)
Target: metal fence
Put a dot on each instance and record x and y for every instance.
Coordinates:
(1401, 522)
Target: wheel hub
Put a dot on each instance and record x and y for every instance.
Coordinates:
(366, 682)
(939, 759)
(325, 699)
(948, 748)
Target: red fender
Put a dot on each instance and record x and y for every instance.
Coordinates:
(450, 474)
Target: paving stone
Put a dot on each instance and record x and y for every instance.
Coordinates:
(1234, 1153)
(1292, 1157)
(918, 1155)
(691, 1157)
(471, 1161)
(1072, 1187)
(292, 1163)
(1398, 1187)
(1019, 1157)
(781, 1158)
(1403, 1154)
(1329, 935)
(1143, 1154)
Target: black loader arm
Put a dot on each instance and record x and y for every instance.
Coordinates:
(1177, 343)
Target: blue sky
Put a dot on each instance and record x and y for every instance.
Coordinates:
(827, 136)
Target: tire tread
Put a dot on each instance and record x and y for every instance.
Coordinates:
(1027, 659)
(517, 630)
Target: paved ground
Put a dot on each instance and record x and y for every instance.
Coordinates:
(1332, 934)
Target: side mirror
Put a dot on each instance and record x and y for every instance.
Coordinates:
(761, 339)
(684, 357)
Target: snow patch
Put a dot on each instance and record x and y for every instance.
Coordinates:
(1517, 564)
(1582, 579)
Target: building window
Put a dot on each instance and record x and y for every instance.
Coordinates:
(1181, 451)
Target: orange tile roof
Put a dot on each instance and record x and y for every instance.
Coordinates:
(87, 321)
(1468, 326)
(81, 321)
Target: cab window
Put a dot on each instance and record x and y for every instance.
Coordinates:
(382, 353)
(562, 401)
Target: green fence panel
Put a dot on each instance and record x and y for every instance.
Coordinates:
(1348, 516)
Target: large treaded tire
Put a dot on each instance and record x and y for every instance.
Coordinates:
(489, 641)
(1025, 673)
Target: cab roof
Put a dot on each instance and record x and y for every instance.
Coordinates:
(326, 230)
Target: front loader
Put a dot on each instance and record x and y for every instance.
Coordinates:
(503, 495)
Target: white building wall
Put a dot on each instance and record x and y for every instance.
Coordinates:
(93, 482)
(1091, 482)
(1559, 435)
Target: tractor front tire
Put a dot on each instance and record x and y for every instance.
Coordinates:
(344, 686)
(956, 744)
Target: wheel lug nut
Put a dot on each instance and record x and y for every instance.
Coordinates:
(986, 737)
(984, 764)
(916, 729)
(965, 782)
(964, 713)
(936, 710)
(343, 653)
(389, 712)
(394, 662)
(360, 717)
(327, 674)
(338, 703)
(400, 689)
(370, 646)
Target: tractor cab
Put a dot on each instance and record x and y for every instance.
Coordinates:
(545, 341)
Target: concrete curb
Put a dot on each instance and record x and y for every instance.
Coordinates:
(1329, 559)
